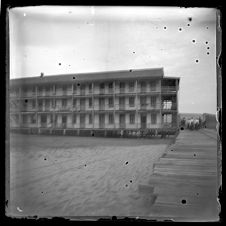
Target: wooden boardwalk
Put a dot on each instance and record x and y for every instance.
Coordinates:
(184, 181)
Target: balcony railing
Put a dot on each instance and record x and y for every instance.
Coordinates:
(122, 107)
(102, 91)
(169, 107)
(169, 89)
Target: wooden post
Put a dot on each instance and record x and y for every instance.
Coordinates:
(114, 102)
(93, 103)
(136, 102)
(177, 104)
(160, 96)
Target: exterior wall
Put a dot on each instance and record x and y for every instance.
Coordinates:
(69, 110)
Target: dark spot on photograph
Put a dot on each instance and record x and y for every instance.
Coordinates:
(190, 19)
(180, 29)
(126, 163)
(164, 28)
(183, 201)
(59, 63)
(208, 53)
(197, 61)
(193, 40)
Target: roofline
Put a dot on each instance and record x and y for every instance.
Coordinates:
(91, 73)
(173, 77)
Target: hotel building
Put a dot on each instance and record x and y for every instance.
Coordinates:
(105, 103)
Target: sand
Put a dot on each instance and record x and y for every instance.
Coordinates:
(79, 176)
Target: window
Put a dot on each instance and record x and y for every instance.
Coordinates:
(64, 119)
(74, 118)
(53, 103)
(40, 89)
(90, 102)
(24, 118)
(64, 89)
(47, 89)
(33, 119)
(167, 104)
(131, 101)
(110, 85)
(43, 118)
(122, 85)
(153, 118)
(90, 119)
(153, 86)
(153, 101)
(47, 103)
(82, 89)
(110, 102)
(143, 101)
(167, 118)
(131, 86)
(55, 119)
(102, 86)
(64, 103)
(90, 88)
(111, 119)
(25, 90)
(33, 90)
(75, 88)
(33, 104)
(74, 103)
(39, 103)
(17, 118)
(143, 86)
(132, 118)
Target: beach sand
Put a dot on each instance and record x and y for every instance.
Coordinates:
(80, 176)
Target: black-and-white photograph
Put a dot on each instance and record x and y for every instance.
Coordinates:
(113, 112)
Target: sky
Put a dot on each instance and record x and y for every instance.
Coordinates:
(60, 40)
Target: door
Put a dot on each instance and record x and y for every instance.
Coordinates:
(122, 123)
(101, 103)
(143, 102)
(64, 121)
(121, 103)
(143, 120)
(82, 104)
(43, 120)
(82, 121)
(101, 121)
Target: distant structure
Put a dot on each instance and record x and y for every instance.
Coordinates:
(115, 103)
(42, 74)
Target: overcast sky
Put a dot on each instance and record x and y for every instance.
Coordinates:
(58, 40)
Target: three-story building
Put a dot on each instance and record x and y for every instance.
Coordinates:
(89, 103)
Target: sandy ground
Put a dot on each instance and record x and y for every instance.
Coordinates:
(79, 176)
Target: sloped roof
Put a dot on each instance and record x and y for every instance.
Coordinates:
(93, 76)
